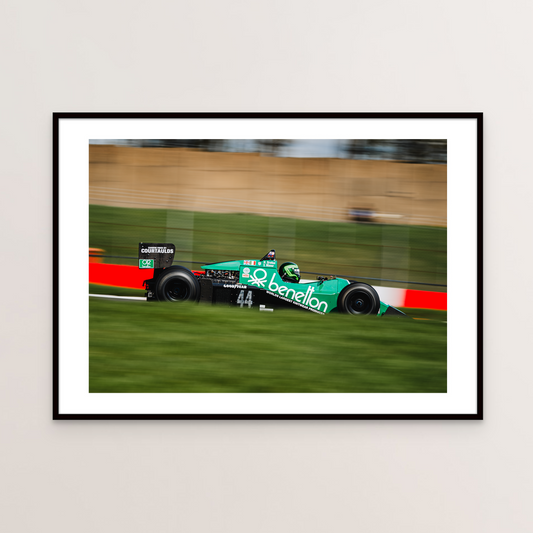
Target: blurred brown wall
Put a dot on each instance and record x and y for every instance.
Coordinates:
(321, 189)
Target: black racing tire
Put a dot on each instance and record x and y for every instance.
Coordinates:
(177, 284)
(358, 299)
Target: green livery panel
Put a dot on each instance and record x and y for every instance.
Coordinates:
(317, 296)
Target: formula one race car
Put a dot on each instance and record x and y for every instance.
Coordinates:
(256, 284)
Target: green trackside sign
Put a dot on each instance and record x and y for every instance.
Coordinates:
(146, 263)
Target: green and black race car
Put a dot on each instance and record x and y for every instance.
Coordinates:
(255, 284)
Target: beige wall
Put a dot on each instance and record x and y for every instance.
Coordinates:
(322, 189)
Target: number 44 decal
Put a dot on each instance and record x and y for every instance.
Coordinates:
(242, 301)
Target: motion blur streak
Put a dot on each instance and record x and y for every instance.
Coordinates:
(314, 188)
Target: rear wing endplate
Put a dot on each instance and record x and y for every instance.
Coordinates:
(156, 255)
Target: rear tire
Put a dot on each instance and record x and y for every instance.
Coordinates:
(358, 299)
(177, 284)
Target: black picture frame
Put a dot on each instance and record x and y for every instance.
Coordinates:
(62, 118)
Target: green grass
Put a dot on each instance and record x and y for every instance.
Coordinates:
(411, 253)
(160, 347)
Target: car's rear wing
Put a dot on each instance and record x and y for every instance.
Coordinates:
(156, 255)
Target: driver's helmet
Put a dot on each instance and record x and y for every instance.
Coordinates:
(290, 272)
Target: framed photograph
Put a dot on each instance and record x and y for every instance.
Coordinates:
(268, 266)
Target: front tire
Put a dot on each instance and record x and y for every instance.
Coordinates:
(358, 299)
(177, 284)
